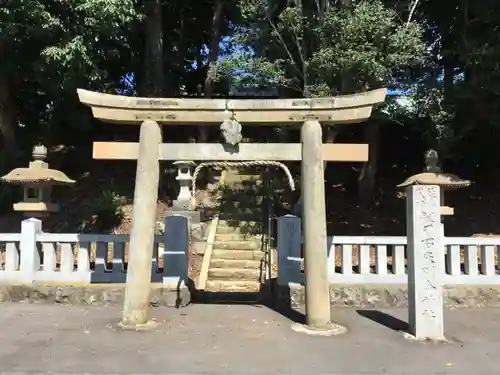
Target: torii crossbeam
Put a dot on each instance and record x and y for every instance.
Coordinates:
(167, 112)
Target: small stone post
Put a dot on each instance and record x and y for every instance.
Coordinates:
(137, 290)
(29, 257)
(175, 260)
(317, 288)
(289, 249)
(425, 262)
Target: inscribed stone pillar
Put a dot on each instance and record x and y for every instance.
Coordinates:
(425, 262)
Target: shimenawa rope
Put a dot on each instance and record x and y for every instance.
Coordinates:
(282, 166)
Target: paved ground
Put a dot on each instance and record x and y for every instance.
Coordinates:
(221, 339)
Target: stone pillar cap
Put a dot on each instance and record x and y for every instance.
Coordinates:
(447, 181)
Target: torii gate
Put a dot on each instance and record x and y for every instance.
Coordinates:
(151, 113)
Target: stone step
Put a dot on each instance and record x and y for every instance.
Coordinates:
(240, 219)
(229, 230)
(233, 286)
(249, 231)
(235, 263)
(235, 223)
(237, 245)
(237, 236)
(231, 178)
(250, 212)
(234, 273)
(242, 201)
(238, 254)
(247, 189)
(255, 231)
(253, 169)
(244, 184)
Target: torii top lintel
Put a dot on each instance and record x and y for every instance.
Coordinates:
(328, 110)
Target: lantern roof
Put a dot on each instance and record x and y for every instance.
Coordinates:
(447, 181)
(433, 175)
(38, 172)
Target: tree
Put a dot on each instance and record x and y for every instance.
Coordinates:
(322, 48)
(53, 47)
(458, 90)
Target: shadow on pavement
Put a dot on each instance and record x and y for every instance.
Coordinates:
(384, 319)
(265, 298)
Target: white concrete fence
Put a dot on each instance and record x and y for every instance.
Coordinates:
(382, 259)
(35, 256)
(425, 260)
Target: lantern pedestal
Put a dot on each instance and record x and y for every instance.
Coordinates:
(36, 210)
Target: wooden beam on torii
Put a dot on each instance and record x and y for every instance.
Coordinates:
(328, 111)
(230, 114)
(241, 152)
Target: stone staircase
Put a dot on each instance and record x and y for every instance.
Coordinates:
(238, 262)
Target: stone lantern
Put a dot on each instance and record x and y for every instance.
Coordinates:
(37, 181)
(185, 205)
(184, 201)
(432, 175)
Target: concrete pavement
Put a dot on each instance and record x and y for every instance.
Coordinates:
(237, 339)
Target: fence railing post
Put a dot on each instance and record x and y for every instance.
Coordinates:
(289, 249)
(175, 251)
(30, 258)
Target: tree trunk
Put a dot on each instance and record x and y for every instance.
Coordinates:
(153, 68)
(368, 174)
(154, 77)
(7, 124)
(213, 55)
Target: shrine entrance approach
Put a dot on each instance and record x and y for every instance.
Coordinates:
(231, 114)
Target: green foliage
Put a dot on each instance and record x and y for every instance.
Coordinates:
(80, 50)
(9, 194)
(447, 57)
(108, 211)
(340, 50)
(55, 46)
(367, 46)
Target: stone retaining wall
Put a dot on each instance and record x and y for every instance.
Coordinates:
(98, 294)
(381, 296)
(384, 296)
